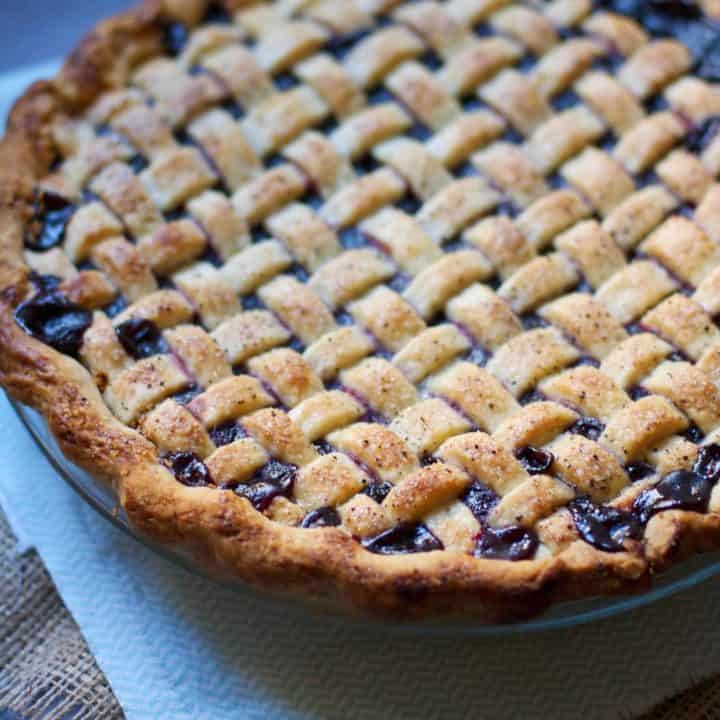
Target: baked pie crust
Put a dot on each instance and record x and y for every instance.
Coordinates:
(409, 306)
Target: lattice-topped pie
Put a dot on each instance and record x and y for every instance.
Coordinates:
(411, 305)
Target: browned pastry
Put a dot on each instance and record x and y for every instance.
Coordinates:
(405, 305)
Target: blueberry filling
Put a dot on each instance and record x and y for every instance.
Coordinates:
(709, 67)
(478, 355)
(322, 517)
(45, 283)
(378, 491)
(226, 433)
(604, 527)
(637, 392)
(52, 212)
(114, 308)
(707, 462)
(324, 447)
(507, 543)
(638, 471)
(138, 163)
(185, 396)
(480, 499)
(703, 134)
(189, 469)
(141, 338)
(216, 13)
(588, 427)
(175, 36)
(534, 460)
(52, 318)
(531, 396)
(274, 479)
(678, 490)
(532, 321)
(403, 539)
(694, 434)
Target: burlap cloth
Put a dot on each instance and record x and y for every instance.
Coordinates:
(48, 673)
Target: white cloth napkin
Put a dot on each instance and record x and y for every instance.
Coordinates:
(175, 647)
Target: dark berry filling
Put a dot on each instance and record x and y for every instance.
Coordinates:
(588, 427)
(531, 396)
(52, 318)
(532, 321)
(324, 447)
(694, 434)
(378, 491)
(534, 460)
(604, 527)
(186, 395)
(175, 36)
(274, 479)
(703, 134)
(141, 338)
(507, 543)
(709, 67)
(114, 308)
(189, 469)
(227, 433)
(403, 539)
(322, 517)
(52, 212)
(45, 283)
(707, 462)
(678, 490)
(480, 499)
(639, 470)
(217, 14)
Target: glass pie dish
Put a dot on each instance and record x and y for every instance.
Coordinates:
(679, 578)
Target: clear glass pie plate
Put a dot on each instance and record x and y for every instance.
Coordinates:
(681, 577)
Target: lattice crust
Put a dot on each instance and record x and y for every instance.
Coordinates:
(361, 261)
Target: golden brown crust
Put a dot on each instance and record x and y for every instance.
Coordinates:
(218, 528)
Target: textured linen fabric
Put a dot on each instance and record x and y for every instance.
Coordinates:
(46, 669)
(176, 647)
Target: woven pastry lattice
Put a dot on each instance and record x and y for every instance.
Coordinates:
(442, 274)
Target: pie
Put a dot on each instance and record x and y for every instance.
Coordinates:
(406, 306)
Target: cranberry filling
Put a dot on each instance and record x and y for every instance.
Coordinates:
(274, 479)
(703, 134)
(534, 460)
(141, 338)
(604, 527)
(227, 433)
(403, 539)
(52, 318)
(54, 212)
(189, 469)
(588, 427)
(507, 543)
(480, 499)
(322, 517)
(678, 490)
(378, 491)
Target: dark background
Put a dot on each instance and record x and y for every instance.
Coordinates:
(35, 30)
